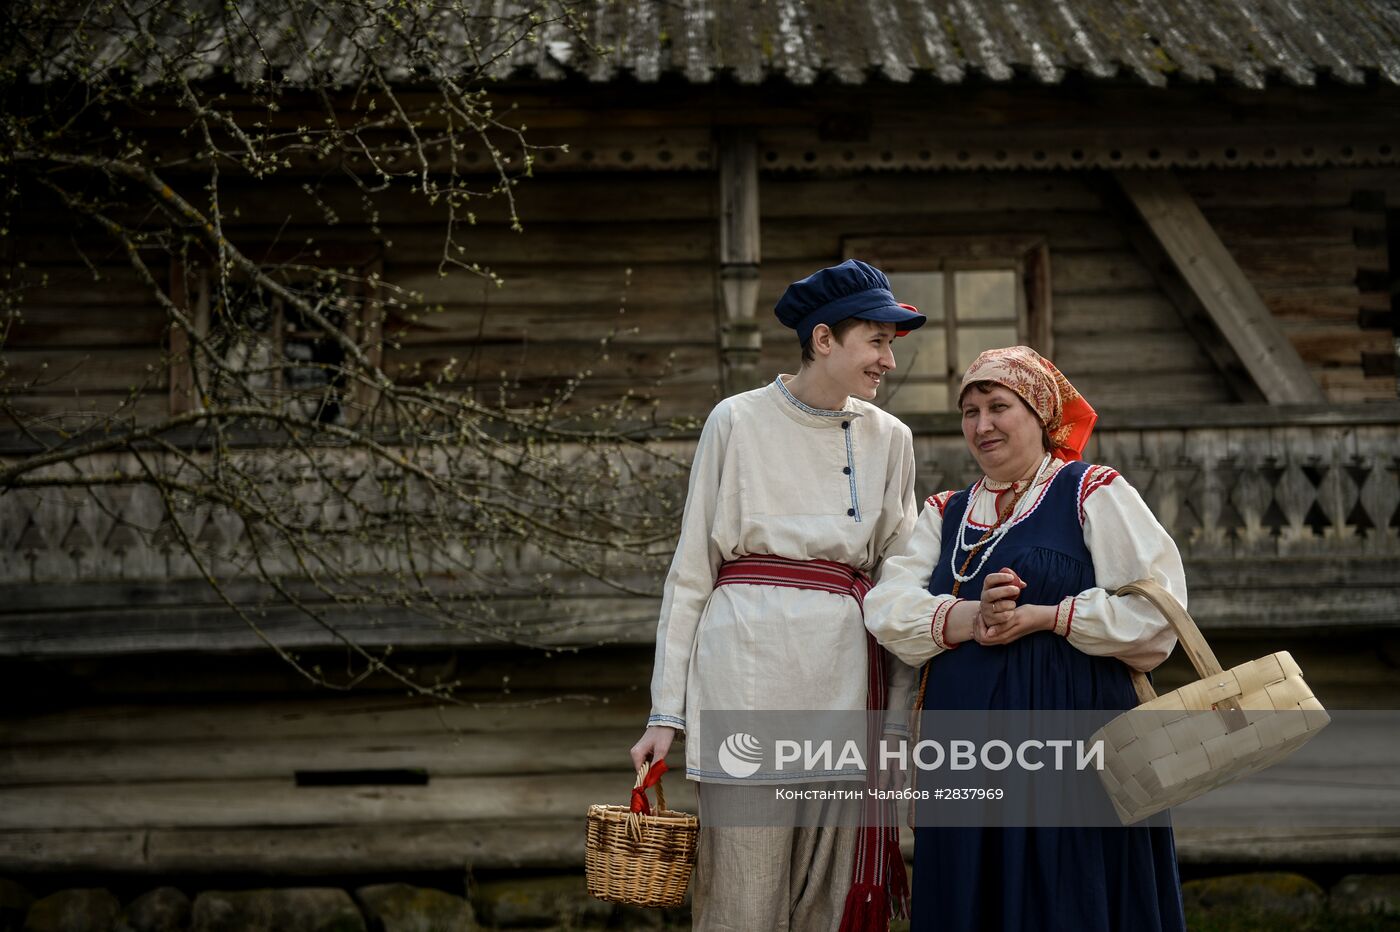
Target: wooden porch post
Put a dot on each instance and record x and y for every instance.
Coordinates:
(740, 340)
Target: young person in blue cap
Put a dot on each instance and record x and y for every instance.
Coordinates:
(798, 491)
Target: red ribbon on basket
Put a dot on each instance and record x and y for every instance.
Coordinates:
(639, 793)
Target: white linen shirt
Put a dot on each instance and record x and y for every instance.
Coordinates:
(774, 476)
(1123, 537)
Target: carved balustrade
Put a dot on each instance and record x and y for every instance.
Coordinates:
(1285, 518)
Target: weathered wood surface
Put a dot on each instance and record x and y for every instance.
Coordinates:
(297, 850)
(227, 804)
(1334, 801)
(635, 260)
(536, 844)
(1262, 514)
(1215, 279)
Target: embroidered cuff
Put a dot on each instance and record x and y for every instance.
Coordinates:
(673, 721)
(940, 623)
(1064, 616)
(896, 728)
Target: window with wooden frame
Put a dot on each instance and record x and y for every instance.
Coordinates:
(262, 338)
(979, 292)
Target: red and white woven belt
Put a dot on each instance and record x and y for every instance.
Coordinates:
(879, 886)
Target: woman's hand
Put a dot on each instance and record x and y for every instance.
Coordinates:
(1000, 620)
(656, 741)
(1015, 624)
(1000, 590)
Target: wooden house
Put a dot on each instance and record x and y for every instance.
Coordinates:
(1193, 208)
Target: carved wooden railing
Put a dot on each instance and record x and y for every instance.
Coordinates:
(1285, 517)
(1326, 484)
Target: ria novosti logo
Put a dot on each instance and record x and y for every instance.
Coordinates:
(741, 755)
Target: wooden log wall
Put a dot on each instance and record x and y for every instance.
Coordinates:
(1314, 245)
(131, 766)
(616, 277)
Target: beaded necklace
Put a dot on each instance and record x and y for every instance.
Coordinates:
(993, 534)
(988, 541)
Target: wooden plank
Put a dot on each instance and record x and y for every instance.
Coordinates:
(300, 851)
(1216, 280)
(636, 196)
(440, 754)
(1274, 846)
(1153, 352)
(739, 255)
(350, 716)
(53, 371)
(1294, 607)
(630, 243)
(1299, 264)
(789, 196)
(1331, 345)
(528, 842)
(1123, 391)
(105, 850)
(1319, 188)
(73, 410)
(231, 804)
(537, 844)
(684, 319)
(1283, 573)
(197, 678)
(1331, 302)
(817, 238)
(73, 287)
(465, 363)
(1114, 312)
(1352, 385)
(1288, 226)
(48, 326)
(567, 622)
(1246, 415)
(638, 288)
(1098, 272)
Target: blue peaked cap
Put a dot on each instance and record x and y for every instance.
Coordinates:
(851, 289)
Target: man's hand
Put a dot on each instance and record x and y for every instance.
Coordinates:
(656, 741)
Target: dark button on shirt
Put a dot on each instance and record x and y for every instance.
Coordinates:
(846, 470)
(851, 512)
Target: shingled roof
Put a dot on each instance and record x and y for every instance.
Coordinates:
(1248, 42)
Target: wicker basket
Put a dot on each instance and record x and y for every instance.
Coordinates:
(637, 859)
(1264, 712)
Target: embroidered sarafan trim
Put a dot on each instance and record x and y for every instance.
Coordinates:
(1040, 497)
(940, 623)
(1094, 478)
(1064, 616)
(940, 501)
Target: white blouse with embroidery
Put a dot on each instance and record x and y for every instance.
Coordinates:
(774, 476)
(1124, 538)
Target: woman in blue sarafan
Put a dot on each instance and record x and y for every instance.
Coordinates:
(1004, 592)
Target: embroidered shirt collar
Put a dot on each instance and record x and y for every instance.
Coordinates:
(813, 415)
(992, 485)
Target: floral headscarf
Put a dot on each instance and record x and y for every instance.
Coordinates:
(1068, 418)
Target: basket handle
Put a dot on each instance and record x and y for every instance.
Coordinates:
(634, 818)
(1192, 641)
